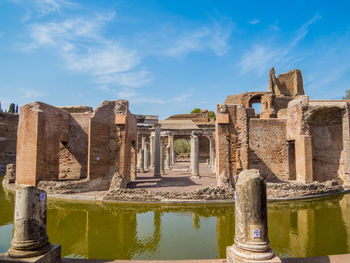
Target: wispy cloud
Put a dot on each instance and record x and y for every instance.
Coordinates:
(183, 97)
(43, 7)
(304, 30)
(261, 57)
(213, 37)
(81, 44)
(254, 21)
(30, 95)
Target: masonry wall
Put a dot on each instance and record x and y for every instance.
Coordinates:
(327, 144)
(41, 129)
(268, 150)
(112, 131)
(73, 157)
(8, 139)
(203, 148)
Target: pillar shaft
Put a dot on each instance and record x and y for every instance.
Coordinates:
(251, 237)
(162, 171)
(157, 150)
(152, 150)
(211, 151)
(146, 157)
(172, 153)
(141, 164)
(195, 155)
(168, 157)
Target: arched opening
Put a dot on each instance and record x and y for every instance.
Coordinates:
(255, 103)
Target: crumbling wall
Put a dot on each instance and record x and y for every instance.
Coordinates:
(327, 143)
(73, 157)
(288, 84)
(41, 129)
(231, 137)
(112, 130)
(8, 139)
(268, 150)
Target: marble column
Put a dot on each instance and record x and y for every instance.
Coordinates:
(251, 243)
(30, 237)
(195, 155)
(162, 171)
(172, 153)
(152, 149)
(168, 157)
(157, 150)
(211, 151)
(141, 165)
(146, 157)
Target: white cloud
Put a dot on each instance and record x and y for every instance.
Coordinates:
(254, 21)
(213, 37)
(81, 44)
(31, 95)
(43, 7)
(304, 29)
(262, 57)
(183, 97)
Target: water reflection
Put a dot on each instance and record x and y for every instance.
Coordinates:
(124, 231)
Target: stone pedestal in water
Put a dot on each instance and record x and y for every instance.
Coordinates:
(30, 242)
(251, 243)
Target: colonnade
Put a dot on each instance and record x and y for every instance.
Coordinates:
(159, 152)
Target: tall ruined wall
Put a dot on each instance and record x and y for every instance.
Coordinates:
(268, 150)
(73, 157)
(327, 143)
(112, 132)
(231, 138)
(8, 139)
(288, 84)
(41, 130)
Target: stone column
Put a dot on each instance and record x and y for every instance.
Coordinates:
(141, 166)
(157, 150)
(152, 149)
(303, 160)
(143, 142)
(146, 158)
(162, 171)
(168, 157)
(172, 153)
(211, 151)
(195, 156)
(251, 243)
(29, 235)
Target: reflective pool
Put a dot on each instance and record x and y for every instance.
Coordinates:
(133, 231)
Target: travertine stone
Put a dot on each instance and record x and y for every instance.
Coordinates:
(29, 236)
(152, 149)
(146, 157)
(157, 150)
(195, 155)
(251, 243)
(142, 169)
(211, 151)
(162, 171)
(168, 157)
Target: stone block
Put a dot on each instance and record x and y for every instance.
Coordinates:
(52, 256)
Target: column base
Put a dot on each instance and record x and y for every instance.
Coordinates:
(52, 256)
(195, 176)
(157, 175)
(235, 254)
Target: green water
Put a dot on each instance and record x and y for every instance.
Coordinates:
(125, 231)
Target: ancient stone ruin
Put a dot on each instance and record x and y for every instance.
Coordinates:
(291, 140)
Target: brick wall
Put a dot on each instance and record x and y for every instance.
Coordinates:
(8, 139)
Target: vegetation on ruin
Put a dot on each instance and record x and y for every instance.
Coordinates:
(211, 113)
(347, 96)
(181, 146)
(196, 110)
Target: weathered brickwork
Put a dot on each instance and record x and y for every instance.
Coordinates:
(75, 143)
(8, 139)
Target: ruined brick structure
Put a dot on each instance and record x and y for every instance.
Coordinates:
(8, 139)
(293, 138)
(75, 142)
(202, 117)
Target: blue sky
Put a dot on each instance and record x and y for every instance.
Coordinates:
(169, 56)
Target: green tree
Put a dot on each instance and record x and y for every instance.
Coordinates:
(182, 146)
(212, 115)
(347, 96)
(196, 110)
(12, 108)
